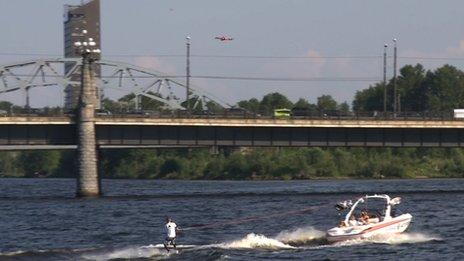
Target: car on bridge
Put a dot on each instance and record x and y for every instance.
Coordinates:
(304, 112)
(102, 112)
(236, 112)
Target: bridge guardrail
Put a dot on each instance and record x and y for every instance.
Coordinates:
(419, 116)
(319, 115)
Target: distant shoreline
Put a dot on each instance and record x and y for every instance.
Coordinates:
(259, 180)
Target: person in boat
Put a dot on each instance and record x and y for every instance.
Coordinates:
(364, 217)
(342, 223)
(352, 221)
(171, 233)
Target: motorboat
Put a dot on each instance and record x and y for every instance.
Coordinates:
(369, 216)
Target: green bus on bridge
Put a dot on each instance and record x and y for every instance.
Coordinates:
(282, 113)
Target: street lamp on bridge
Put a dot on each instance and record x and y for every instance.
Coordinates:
(187, 43)
(87, 49)
(395, 98)
(385, 79)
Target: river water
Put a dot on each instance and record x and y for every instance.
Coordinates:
(224, 220)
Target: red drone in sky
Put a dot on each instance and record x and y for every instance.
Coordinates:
(223, 38)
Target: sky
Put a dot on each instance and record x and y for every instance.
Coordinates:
(315, 31)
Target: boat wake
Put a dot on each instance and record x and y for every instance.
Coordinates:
(302, 236)
(289, 239)
(393, 239)
(126, 253)
(299, 238)
(255, 241)
(309, 237)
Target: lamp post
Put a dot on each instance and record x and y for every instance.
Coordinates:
(88, 182)
(395, 102)
(187, 42)
(385, 79)
(28, 105)
(89, 53)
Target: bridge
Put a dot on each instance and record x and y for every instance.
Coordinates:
(128, 131)
(87, 131)
(118, 77)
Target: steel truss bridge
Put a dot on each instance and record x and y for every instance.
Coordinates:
(31, 131)
(119, 76)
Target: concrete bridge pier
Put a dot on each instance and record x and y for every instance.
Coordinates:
(88, 184)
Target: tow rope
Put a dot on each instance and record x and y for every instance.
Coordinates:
(249, 219)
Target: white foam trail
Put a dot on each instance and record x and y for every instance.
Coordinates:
(300, 235)
(281, 241)
(255, 241)
(405, 238)
(161, 246)
(127, 253)
(392, 239)
(13, 253)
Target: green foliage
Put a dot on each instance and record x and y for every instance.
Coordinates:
(5, 106)
(250, 164)
(441, 90)
(67, 167)
(273, 101)
(213, 107)
(326, 103)
(410, 87)
(302, 104)
(171, 167)
(9, 107)
(117, 106)
(251, 105)
(370, 99)
(39, 163)
(343, 107)
(10, 165)
(236, 167)
(127, 103)
(214, 168)
(445, 88)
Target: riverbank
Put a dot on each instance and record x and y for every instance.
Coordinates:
(246, 164)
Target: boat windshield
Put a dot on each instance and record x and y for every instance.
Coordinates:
(373, 208)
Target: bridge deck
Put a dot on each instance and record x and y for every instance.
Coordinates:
(240, 122)
(120, 132)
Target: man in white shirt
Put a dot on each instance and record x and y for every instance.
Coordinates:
(171, 229)
(352, 221)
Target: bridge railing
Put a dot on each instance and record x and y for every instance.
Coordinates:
(242, 114)
(320, 115)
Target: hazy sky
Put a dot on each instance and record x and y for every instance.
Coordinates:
(319, 29)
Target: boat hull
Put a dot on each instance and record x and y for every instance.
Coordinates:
(392, 226)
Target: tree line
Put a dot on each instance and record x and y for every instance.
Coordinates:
(419, 90)
(245, 164)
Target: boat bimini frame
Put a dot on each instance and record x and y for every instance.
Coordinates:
(348, 204)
